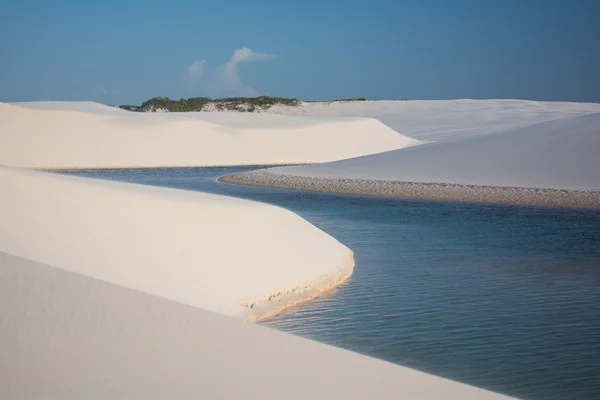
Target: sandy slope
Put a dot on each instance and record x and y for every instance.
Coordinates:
(560, 154)
(435, 120)
(83, 134)
(68, 336)
(208, 251)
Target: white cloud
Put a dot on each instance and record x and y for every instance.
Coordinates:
(195, 70)
(246, 54)
(228, 78)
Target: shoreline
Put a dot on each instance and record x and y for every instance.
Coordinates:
(278, 300)
(303, 293)
(421, 191)
(70, 336)
(277, 264)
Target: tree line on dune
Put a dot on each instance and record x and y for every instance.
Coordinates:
(239, 104)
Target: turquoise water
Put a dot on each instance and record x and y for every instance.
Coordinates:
(502, 297)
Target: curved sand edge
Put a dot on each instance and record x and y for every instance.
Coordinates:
(417, 190)
(277, 302)
(236, 257)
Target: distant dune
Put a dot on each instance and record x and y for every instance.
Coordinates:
(83, 134)
(559, 154)
(493, 143)
(434, 120)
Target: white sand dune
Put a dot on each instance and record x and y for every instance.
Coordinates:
(435, 120)
(559, 154)
(84, 134)
(68, 336)
(105, 287)
(232, 256)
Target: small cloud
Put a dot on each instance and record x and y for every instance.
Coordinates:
(228, 79)
(246, 54)
(195, 70)
(101, 91)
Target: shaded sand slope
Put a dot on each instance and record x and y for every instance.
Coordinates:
(67, 336)
(561, 154)
(435, 120)
(232, 256)
(72, 134)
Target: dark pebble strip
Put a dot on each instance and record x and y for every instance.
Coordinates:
(428, 191)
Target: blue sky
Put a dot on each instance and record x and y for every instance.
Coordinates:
(124, 52)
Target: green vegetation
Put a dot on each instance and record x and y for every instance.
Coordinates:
(129, 108)
(182, 105)
(251, 104)
(239, 104)
(260, 101)
(245, 104)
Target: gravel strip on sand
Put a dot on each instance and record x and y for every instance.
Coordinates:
(414, 190)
